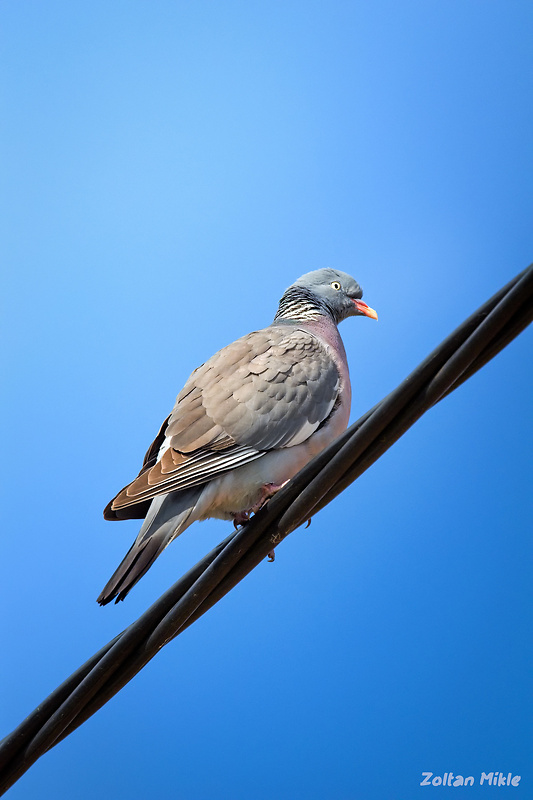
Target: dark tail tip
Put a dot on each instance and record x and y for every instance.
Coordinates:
(137, 561)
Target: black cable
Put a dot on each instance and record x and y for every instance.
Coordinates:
(458, 357)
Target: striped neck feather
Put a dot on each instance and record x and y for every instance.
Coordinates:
(301, 305)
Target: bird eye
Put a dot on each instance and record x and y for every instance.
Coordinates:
(336, 285)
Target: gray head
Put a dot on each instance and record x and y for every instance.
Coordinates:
(324, 292)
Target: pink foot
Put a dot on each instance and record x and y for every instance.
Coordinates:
(240, 518)
(267, 491)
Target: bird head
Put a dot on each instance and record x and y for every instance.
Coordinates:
(324, 292)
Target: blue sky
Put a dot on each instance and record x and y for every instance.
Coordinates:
(168, 169)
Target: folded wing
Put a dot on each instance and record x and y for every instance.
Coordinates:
(268, 390)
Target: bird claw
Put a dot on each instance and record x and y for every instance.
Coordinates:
(308, 523)
(271, 556)
(240, 518)
(267, 491)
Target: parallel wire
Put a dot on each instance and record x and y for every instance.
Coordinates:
(459, 356)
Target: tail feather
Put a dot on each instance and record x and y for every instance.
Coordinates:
(168, 516)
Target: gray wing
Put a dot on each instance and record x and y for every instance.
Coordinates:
(268, 390)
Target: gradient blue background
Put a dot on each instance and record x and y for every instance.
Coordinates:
(168, 169)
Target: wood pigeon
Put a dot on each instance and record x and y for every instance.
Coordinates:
(245, 422)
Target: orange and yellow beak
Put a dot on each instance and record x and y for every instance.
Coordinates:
(364, 309)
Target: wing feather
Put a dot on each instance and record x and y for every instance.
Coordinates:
(270, 389)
